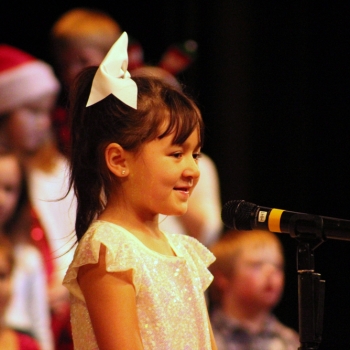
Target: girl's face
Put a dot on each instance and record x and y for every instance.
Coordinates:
(29, 126)
(163, 175)
(10, 186)
(258, 276)
(5, 282)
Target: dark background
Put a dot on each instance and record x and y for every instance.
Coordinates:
(272, 81)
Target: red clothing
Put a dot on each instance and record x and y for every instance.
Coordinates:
(39, 239)
(60, 125)
(60, 324)
(26, 342)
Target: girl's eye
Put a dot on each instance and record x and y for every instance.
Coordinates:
(177, 155)
(197, 156)
(10, 189)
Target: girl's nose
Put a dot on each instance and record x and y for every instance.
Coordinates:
(192, 169)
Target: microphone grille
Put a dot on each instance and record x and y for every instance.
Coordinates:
(236, 214)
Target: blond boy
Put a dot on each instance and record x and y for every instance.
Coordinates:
(248, 283)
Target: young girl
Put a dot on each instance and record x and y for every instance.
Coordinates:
(28, 309)
(135, 149)
(9, 337)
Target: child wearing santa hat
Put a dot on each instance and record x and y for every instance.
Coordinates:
(28, 93)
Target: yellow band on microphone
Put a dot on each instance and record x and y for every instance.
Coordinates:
(274, 220)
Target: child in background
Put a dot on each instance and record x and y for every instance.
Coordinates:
(80, 38)
(135, 150)
(28, 310)
(9, 337)
(248, 283)
(28, 92)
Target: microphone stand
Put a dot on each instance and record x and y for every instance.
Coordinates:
(311, 289)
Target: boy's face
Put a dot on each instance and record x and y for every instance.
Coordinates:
(29, 126)
(258, 278)
(75, 58)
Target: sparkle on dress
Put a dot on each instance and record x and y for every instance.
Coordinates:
(171, 307)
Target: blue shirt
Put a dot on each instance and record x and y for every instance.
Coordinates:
(230, 335)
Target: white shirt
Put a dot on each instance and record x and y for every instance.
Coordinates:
(29, 309)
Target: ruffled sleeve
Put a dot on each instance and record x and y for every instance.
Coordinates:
(121, 254)
(197, 255)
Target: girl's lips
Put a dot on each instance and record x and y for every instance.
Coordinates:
(182, 189)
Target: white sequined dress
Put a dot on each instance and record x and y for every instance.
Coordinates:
(170, 302)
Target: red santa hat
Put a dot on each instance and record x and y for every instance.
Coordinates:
(23, 78)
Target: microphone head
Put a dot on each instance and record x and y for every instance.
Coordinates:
(236, 214)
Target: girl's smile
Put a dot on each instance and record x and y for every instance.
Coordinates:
(183, 191)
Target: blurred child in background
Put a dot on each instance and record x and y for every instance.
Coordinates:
(28, 310)
(28, 93)
(248, 284)
(10, 338)
(79, 38)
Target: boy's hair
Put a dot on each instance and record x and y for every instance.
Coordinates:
(110, 120)
(84, 25)
(228, 248)
(232, 243)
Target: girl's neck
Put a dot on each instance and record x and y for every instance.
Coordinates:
(120, 212)
(145, 230)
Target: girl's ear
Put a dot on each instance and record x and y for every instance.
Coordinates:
(115, 157)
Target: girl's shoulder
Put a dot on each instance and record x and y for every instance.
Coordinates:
(122, 253)
(106, 232)
(185, 244)
(100, 228)
(197, 256)
(114, 237)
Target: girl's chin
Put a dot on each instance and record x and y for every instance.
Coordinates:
(178, 212)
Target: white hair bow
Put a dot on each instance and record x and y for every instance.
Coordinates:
(112, 76)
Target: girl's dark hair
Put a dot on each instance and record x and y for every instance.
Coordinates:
(110, 120)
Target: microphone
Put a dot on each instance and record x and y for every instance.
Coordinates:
(242, 215)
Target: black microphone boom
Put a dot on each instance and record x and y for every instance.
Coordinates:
(242, 215)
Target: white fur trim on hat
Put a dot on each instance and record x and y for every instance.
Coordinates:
(24, 83)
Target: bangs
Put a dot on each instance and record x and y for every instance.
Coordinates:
(184, 117)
